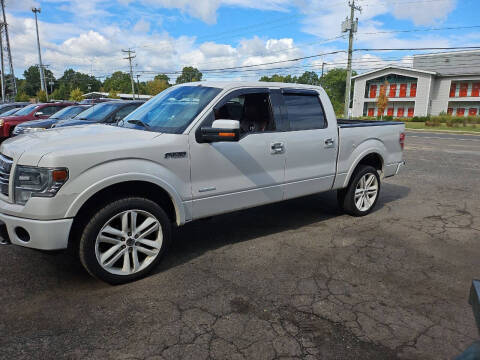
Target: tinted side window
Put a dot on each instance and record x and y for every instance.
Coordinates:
(125, 111)
(304, 112)
(50, 110)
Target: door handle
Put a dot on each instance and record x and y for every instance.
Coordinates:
(277, 148)
(329, 143)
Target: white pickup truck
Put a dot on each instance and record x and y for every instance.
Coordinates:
(112, 193)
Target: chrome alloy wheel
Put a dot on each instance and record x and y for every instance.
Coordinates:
(129, 242)
(366, 192)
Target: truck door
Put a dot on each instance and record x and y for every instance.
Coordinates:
(228, 176)
(312, 142)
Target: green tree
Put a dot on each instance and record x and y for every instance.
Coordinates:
(309, 78)
(32, 79)
(76, 95)
(334, 84)
(61, 93)
(118, 81)
(156, 86)
(22, 96)
(189, 74)
(164, 78)
(41, 96)
(113, 94)
(72, 79)
(279, 78)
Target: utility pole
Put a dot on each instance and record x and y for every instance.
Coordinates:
(130, 57)
(138, 86)
(323, 67)
(43, 85)
(350, 25)
(4, 32)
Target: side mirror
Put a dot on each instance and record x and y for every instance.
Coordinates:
(38, 113)
(221, 130)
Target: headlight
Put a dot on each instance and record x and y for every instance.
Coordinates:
(38, 182)
(1, 122)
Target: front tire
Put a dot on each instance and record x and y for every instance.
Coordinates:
(125, 240)
(361, 195)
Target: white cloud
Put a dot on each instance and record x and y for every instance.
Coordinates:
(426, 13)
(142, 26)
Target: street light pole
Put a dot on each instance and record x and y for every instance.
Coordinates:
(43, 85)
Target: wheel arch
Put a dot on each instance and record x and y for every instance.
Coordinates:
(372, 158)
(165, 197)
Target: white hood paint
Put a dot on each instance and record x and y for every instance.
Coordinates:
(29, 149)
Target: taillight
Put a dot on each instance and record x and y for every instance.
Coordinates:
(402, 140)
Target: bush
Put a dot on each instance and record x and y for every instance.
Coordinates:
(433, 121)
(41, 96)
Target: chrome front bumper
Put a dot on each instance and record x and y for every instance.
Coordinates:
(36, 234)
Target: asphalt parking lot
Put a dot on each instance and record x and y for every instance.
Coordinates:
(290, 280)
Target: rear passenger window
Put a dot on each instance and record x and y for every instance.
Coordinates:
(305, 112)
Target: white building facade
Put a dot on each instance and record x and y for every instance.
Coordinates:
(437, 83)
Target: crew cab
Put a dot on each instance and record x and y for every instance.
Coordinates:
(29, 112)
(113, 193)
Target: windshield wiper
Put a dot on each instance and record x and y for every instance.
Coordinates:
(138, 122)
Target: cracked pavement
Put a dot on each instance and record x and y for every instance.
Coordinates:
(295, 280)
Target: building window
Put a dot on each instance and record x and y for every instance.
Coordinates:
(472, 111)
(390, 111)
(450, 111)
(460, 111)
(464, 90)
(371, 112)
(411, 111)
(413, 90)
(403, 90)
(476, 89)
(393, 91)
(373, 91)
(453, 90)
(401, 112)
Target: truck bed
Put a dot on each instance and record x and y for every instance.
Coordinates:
(344, 123)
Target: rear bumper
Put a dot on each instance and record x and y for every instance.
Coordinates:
(36, 234)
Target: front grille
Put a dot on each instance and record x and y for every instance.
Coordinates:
(5, 168)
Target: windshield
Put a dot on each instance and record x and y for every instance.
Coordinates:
(26, 110)
(97, 112)
(172, 110)
(10, 112)
(68, 112)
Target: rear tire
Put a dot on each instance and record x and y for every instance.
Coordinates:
(361, 195)
(125, 240)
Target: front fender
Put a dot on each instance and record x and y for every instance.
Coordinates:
(180, 212)
(97, 178)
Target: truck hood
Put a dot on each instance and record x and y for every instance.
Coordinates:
(30, 148)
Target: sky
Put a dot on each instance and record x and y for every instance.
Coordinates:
(89, 35)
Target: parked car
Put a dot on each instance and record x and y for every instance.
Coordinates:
(39, 125)
(9, 106)
(95, 101)
(29, 112)
(108, 113)
(196, 150)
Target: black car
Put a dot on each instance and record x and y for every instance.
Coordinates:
(106, 113)
(9, 106)
(42, 124)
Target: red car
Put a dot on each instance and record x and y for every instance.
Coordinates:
(29, 112)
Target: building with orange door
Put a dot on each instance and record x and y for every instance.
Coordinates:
(436, 83)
